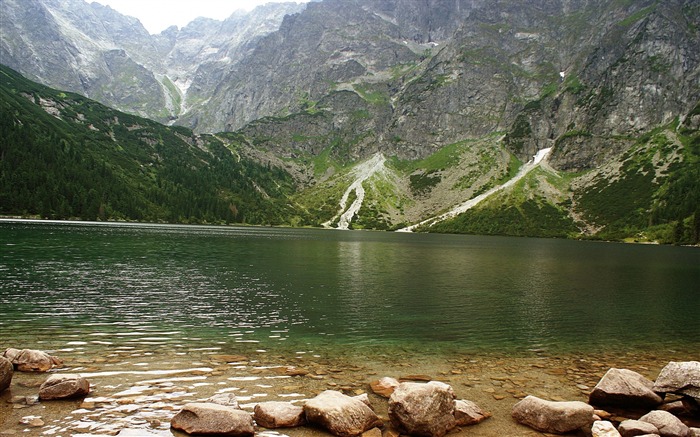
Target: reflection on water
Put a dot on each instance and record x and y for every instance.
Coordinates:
(92, 286)
(158, 316)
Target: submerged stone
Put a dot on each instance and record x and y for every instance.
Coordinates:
(468, 413)
(275, 414)
(30, 360)
(226, 399)
(213, 419)
(64, 386)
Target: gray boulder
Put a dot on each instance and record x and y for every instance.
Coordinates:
(213, 419)
(603, 428)
(633, 428)
(468, 413)
(423, 409)
(30, 360)
(340, 414)
(64, 386)
(553, 417)
(625, 389)
(681, 378)
(279, 415)
(6, 370)
(667, 424)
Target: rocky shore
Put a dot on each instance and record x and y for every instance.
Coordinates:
(244, 396)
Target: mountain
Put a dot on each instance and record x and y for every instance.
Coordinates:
(385, 114)
(87, 48)
(95, 51)
(63, 156)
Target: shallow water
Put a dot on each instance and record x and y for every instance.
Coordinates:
(153, 313)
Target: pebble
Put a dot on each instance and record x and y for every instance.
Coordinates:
(34, 421)
(424, 378)
(602, 414)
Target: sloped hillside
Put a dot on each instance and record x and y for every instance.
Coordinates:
(63, 156)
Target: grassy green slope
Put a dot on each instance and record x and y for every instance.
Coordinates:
(523, 210)
(64, 156)
(650, 193)
(655, 194)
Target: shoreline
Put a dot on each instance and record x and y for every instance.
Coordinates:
(19, 219)
(143, 389)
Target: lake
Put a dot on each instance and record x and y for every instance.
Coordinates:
(163, 291)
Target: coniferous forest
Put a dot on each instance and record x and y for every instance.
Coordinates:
(63, 156)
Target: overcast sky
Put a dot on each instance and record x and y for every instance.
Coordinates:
(157, 15)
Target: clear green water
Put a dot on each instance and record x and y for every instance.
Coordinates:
(106, 286)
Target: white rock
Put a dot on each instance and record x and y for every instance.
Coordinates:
(603, 428)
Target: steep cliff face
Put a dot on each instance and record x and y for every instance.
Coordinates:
(93, 50)
(446, 71)
(644, 73)
(319, 51)
(198, 57)
(89, 49)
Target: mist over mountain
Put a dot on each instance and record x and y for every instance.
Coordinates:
(456, 94)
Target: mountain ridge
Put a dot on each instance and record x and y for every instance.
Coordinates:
(456, 95)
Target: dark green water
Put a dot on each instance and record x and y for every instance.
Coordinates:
(92, 286)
